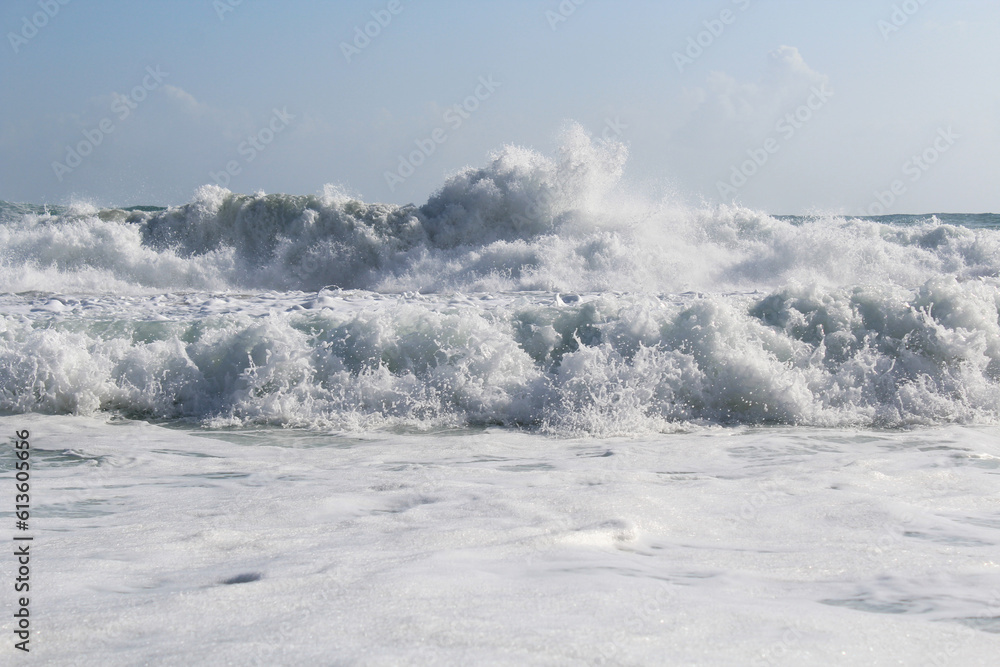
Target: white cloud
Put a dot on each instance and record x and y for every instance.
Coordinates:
(184, 98)
(728, 116)
(724, 100)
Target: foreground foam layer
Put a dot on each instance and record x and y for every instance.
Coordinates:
(600, 363)
(723, 547)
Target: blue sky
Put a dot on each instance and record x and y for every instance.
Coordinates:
(264, 87)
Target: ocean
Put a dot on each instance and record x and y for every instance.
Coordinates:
(543, 418)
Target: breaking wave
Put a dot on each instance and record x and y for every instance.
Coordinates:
(535, 291)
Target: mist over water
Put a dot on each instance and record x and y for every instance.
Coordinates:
(535, 291)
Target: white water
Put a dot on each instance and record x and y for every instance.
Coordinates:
(540, 419)
(593, 363)
(534, 291)
(735, 546)
(565, 223)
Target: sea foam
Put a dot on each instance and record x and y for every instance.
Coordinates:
(536, 291)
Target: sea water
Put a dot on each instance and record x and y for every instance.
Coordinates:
(543, 418)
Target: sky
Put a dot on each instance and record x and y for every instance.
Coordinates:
(791, 107)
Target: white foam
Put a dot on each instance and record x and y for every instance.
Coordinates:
(807, 321)
(524, 221)
(601, 364)
(766, 546)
